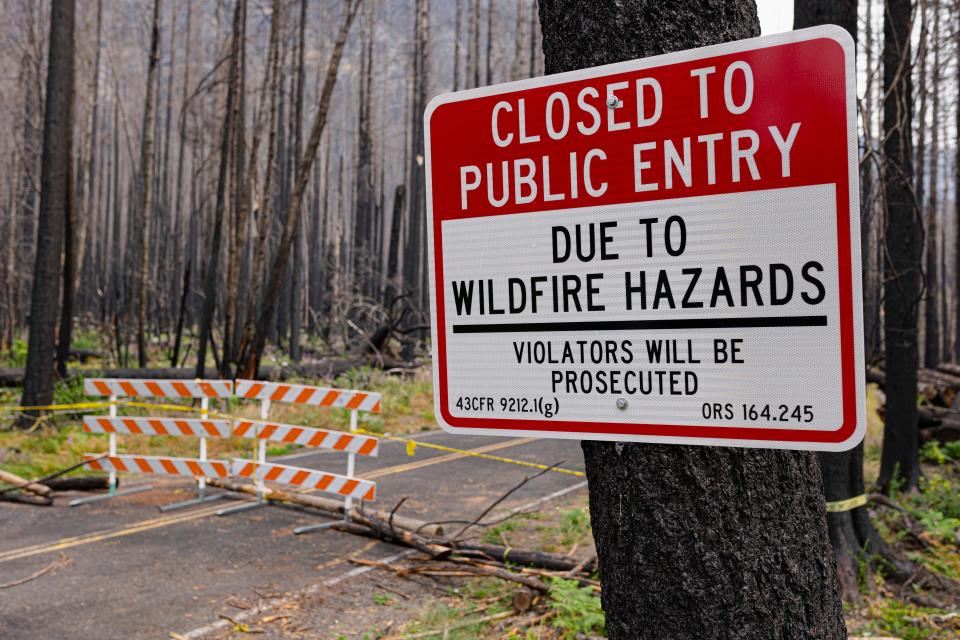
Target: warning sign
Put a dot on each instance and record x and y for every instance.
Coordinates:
(663, 250)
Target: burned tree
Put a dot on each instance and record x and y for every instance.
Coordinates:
(673, 523)
(55, 196)
(902, 290)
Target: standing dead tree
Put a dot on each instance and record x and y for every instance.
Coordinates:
(902, 291)
(55, 187)
(672, 523)
(226, 136)
(255, 339)
(146, 185)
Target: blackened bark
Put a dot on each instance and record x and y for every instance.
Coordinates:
(71, 241)
(696, 542)
(147, 186)
(54, 197)
(902, 288)
(852, 534)
(393, 253)
(956, 204)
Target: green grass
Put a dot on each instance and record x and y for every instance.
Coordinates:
(899, 619)
(572, 529)
(16, 356)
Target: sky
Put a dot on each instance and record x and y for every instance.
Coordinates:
(775, 16)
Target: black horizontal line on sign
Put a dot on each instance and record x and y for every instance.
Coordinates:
(645, 325)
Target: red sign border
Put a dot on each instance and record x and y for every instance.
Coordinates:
(853, 426)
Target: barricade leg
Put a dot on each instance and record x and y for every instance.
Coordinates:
(261, 458)
(348, 501)
(202, 496)
(113, 492)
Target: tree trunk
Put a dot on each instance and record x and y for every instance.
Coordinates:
(251, 357)
(458, 21)
(956, 204)
(852, 534)
(54, 197)
(296, 301)
(71, 240)
(226, 136)
(870, 221)
(931, 337)
(696, 542)
(146, 186)
(902, 291)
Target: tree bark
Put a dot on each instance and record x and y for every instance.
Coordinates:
(929, 172)
(902, 290)
(696, 542)
(956, 204)
(146, 185)
(852, 534)
(54, 185)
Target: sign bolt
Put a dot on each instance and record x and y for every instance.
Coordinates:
(613, 102)
(621, 404)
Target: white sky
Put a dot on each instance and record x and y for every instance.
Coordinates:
(775, 16)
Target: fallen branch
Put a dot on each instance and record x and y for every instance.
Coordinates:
(24, 484)
(26, 498)
(539, 559)
(334, 507)
(62, 562)
(56, 474)
(84, 483)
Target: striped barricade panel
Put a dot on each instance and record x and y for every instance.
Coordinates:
(307, 437)
(303, 394)
(306, 478)
(159, 465)
(158, 388)
(159, 426)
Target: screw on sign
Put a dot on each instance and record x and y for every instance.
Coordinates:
(663, 250)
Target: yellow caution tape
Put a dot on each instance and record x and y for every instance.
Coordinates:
(57, 407)
(411, 445)
(484, 456)
(849, 504)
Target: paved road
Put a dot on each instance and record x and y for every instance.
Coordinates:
(137, 573)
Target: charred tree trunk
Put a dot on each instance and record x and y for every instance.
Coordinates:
(299, 252)
(146, 186)
(673, 523)
(226, 136)
(902, 290)
(71, 241)
(458, 21)
(393, 252)
(928, 78)
(54, 196)
(250, 358)
(851, 532)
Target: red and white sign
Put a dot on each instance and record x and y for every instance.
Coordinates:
(662, 250)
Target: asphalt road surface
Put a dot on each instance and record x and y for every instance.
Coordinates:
(132, 572)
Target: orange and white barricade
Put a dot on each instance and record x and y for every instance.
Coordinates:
(162, 465)
(263, 430)
(199, 468)
(306, 479)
